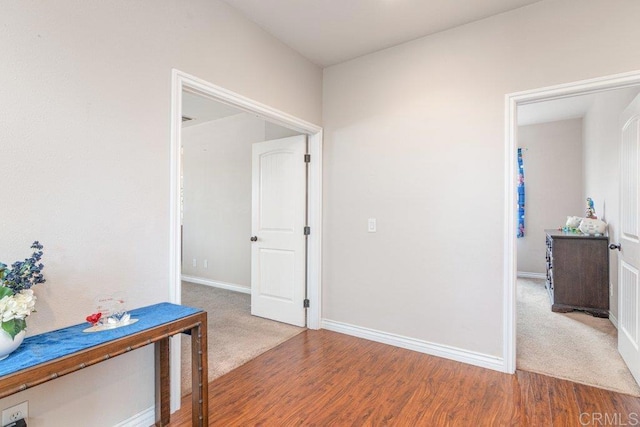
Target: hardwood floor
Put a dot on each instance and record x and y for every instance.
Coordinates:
(322, 378)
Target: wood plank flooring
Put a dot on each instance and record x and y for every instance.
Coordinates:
(322, 378)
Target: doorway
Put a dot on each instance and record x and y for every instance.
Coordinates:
(513, 103)
(182, 84)
(569, 149)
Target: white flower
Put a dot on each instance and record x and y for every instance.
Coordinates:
(6, 313)
(25, 303)
(17, 306)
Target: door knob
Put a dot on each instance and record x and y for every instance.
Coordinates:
(614, 246)
(254, 239)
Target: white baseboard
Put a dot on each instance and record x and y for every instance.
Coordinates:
(527, 275)
(145, 418)
(613, 319)
(447, 352)
(216, 284)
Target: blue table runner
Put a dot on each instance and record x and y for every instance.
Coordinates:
(52, 345)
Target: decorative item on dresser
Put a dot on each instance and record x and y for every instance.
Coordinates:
(578, 272)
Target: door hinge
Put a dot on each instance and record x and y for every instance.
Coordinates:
(307, 230)
(307, 158)
(305, 303)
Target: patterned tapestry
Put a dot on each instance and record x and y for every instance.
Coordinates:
(520, 195)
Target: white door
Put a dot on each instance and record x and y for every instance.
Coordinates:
(278, 251)
(629, 255)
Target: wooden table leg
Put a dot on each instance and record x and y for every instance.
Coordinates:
(162, 382)
(199, 375)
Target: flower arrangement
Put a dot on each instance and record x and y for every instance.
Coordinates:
(17, 300)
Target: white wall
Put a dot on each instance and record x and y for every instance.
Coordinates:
(552, 158)
(602, 169)
(273, 131)
(414, 136)
(217, 198)
(85, 138)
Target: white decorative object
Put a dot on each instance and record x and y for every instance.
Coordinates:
(8, 345)
(112, 309)
(112, 313)
(111, 325)
(592, 226)
(573, 221)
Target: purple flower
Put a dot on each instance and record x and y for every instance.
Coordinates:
(24, 274)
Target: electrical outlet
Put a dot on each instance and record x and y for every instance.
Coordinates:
(195, 262)
(15, 413)
(610, 289)
(205, 263)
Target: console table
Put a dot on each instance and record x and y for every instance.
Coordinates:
(47, 356)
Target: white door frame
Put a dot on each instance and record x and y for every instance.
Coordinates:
(182, 81)
(512, 101)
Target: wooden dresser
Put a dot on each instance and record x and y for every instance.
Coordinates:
(578, 272)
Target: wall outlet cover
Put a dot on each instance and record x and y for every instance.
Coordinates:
(15, 413)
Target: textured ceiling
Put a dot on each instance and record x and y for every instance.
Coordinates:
(332, 31)
(200, 109)
(566, 108)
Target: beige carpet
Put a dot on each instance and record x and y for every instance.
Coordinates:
(234, 336)
(574, 346)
